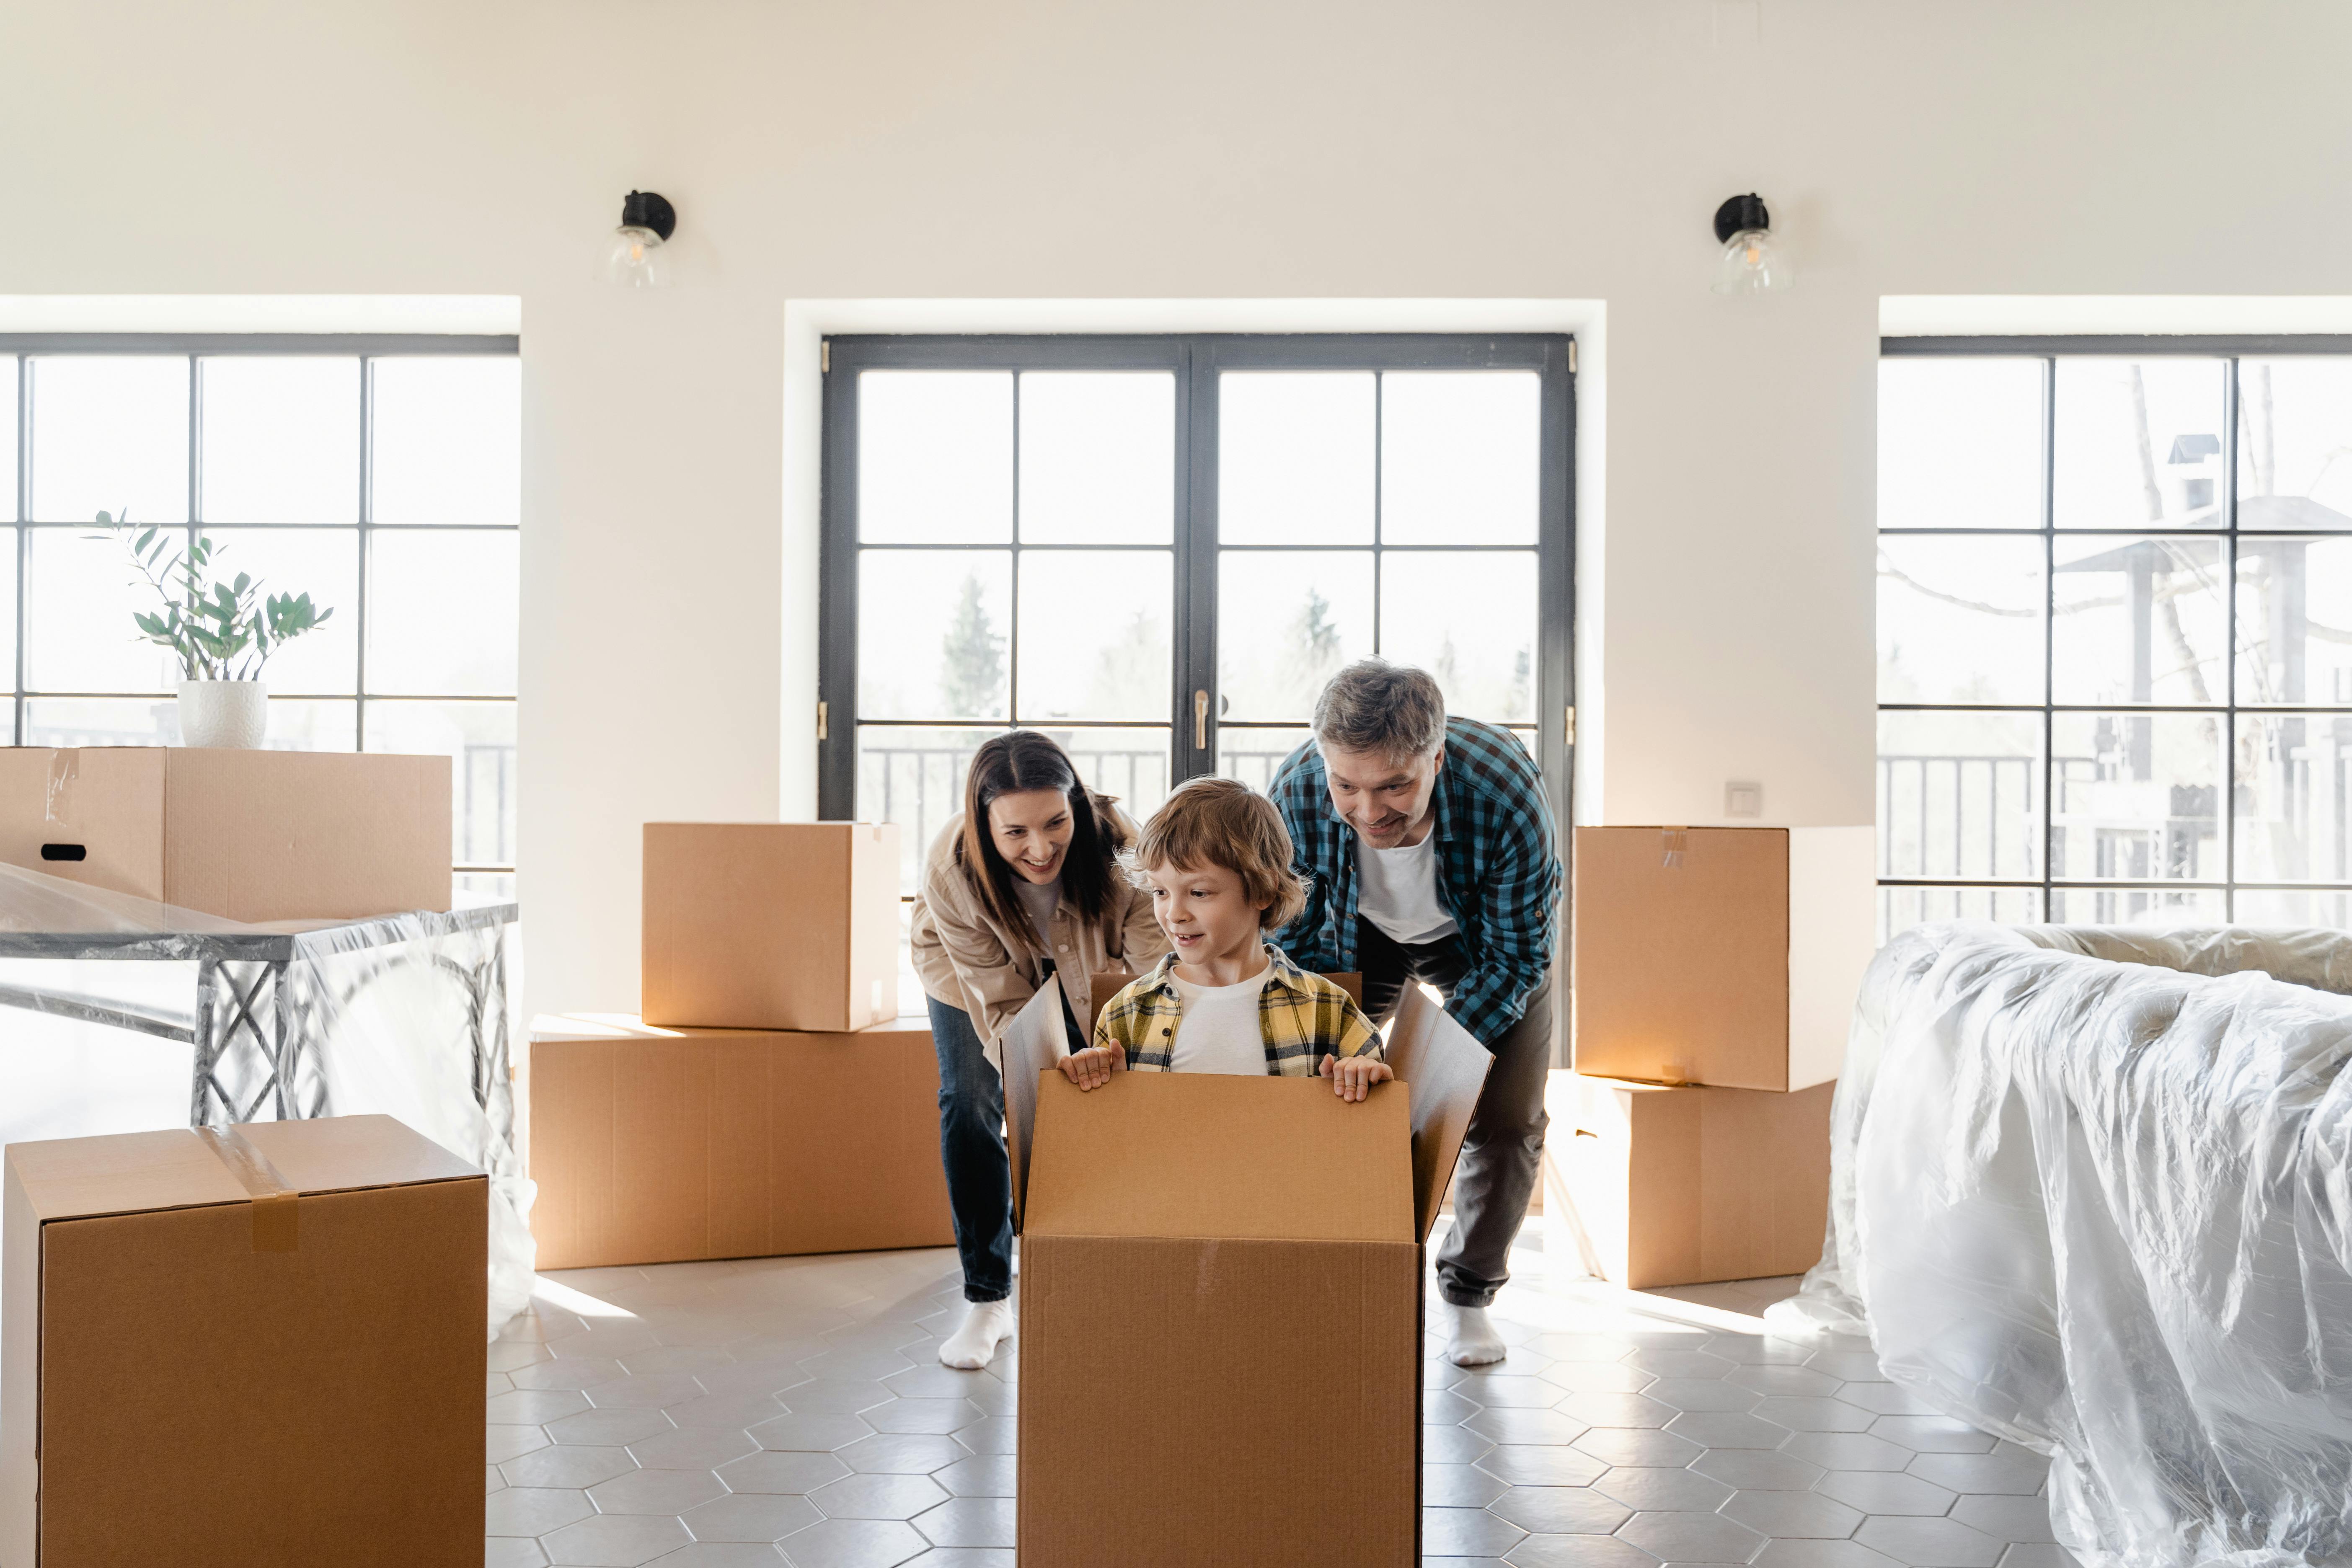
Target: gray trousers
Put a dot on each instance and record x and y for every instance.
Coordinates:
(1502, 1156)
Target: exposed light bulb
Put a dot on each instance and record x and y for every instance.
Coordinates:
(1751, 264)
(635, 256)
(635, 259)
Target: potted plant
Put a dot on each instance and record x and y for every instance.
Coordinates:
(222, 631)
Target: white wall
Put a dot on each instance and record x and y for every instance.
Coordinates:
(1508, 149)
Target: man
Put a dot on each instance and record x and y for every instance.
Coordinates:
(1428, 850)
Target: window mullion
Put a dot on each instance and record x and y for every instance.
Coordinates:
(23, 436)
(366, 543)
(195, 453)
(1199, 566)
(1379, 410)
(1012, 636)
(2225, 801)
(2049, 633)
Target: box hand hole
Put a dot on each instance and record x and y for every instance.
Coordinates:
(65, 852)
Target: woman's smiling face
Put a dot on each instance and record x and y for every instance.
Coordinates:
(1032, 829)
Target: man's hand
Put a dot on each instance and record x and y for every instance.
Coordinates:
(1092, 1068)
(1353, 1078)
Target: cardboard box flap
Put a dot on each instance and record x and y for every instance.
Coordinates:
(1031, 1045)
(552, 1028)
(1446, 1069)
(342, 1153)
(136, 1173)
(130, 1172)
(1211, 1154)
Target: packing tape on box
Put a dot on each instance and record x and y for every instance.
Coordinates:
(1673, 843)
(276, 1208)
(65, 767)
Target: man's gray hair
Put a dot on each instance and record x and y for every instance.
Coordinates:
(1392, 710)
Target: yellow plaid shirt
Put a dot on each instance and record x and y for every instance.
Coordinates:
(1302, 1017)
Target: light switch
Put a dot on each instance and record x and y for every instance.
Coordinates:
(1743, 799)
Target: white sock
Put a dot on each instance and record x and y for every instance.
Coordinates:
(1475, 1342)
(973, 1344)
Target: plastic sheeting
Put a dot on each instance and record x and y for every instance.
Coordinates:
(2091, 1191)
(119, 1015)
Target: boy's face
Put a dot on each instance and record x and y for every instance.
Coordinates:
(1203, 911)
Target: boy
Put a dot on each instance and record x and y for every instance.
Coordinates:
(1216, 861)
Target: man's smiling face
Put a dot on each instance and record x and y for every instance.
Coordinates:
(1387, 800)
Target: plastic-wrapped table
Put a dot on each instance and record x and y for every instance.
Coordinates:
(122, 1015)
(2091, 1191)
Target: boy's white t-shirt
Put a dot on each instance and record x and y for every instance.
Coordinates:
(1397, 891)
(1218, 1029)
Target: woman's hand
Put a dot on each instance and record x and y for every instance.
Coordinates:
(1092, 1068)
(1353, 1078)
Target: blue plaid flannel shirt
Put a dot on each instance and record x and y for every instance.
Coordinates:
(1499, 871)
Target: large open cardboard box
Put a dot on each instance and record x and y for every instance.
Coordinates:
(1655, 1185)
(262, 1346)
(771, 925)
(1221, 1306)
(1729, 956)
(654, 1145)
(247, 836)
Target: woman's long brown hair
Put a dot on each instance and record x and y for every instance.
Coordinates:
(1010, 763)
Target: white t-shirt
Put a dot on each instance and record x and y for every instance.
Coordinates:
(1397, 890)
(1218, 1029)
(1041, 900)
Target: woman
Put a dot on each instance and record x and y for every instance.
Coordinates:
(1019, 887)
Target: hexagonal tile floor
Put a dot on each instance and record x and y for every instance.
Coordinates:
(792, 1410)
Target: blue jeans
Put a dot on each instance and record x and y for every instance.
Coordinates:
(971, 1148)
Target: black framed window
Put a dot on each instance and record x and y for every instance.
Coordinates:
(381, 474)
(2114, 630)
(1157, 548)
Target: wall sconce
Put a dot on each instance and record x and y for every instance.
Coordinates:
(1751, 263)
(636, 258)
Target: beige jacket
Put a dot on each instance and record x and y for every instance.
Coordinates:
(966, 960)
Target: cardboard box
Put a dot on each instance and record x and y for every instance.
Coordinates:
(1729, 956)
(1653, 1185)
(656, 1145)
(262, 1346)
(1226, 1272)
(248, 836)
(771, 925)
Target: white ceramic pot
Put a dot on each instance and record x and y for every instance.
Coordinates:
(225, 713)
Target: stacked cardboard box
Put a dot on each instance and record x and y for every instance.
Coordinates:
(1228, 1269)
(1715, 970)
(258, 1345)
(654, 1145)
(766, 1103)
(771, 925)
(257, 837)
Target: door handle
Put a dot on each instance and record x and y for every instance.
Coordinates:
(1201, 720)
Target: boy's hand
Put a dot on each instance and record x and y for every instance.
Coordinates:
(1353, 1079)
(1092, 1068)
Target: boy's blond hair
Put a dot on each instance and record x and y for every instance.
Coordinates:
(1224, 822)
